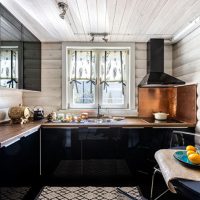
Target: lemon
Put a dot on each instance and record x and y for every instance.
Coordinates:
(194, 158)
(190, 152)
(190, 148)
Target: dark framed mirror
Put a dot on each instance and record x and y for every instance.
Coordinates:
(20, 54)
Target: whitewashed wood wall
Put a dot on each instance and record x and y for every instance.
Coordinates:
(8, 98)
(186, 63)
(50, 97)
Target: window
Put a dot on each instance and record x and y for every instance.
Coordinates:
(98, 77)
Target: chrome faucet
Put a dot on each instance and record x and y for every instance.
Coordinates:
(98, 112)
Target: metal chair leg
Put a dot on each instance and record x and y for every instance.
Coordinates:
(152, 182)
(152, 185)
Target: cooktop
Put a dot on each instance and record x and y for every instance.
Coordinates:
(152, 120)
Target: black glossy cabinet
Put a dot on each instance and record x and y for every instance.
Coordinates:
(23, 71)
(20, 162)
(82, 155)
(20, 168)
(99, 155)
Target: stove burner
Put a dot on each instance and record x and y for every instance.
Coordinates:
(152, 120)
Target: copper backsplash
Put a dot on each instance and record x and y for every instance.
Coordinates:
(187, 103)
(178, 102)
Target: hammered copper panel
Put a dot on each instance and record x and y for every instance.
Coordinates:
(179, 102)
(153, 100)
(186, 103)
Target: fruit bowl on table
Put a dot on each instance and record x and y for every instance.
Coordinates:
(190, 157)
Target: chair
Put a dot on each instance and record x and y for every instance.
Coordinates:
(180, 143)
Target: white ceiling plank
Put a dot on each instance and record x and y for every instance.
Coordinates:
(135, 17)
(119, 14)
(186, 15)
(126, 17)
(132, 18)
(101, 12)
(127, 20)
(92, 10)
(111, 9)
(83, 12)
(156, 9)
(75, 14)
(33, 25)
(51, 13)
(168, 13)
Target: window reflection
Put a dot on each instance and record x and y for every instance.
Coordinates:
(9, 67)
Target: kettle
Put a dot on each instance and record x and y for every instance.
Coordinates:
(38, 113)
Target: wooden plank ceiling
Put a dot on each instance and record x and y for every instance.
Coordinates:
(124, 20)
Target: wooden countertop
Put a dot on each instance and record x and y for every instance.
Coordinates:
(12, 133)
(126, 123)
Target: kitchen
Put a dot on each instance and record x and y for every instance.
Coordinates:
(104, 86)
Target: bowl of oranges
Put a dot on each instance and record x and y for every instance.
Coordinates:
(193, 154)
(190, 157)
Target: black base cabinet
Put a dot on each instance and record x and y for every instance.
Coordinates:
(84, 155)
(19, 167)
(100, 155)
(80, 156)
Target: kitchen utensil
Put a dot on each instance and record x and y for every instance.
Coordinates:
(38, 113)
(160, 115)
(19, 114)
(118, 118)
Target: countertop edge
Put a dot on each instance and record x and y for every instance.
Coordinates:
(35, 126)
(17, 137)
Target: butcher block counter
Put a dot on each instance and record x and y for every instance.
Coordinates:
(10, 133)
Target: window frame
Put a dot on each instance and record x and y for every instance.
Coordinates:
(131, 110)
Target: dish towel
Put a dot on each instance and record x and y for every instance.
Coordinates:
(172, 169)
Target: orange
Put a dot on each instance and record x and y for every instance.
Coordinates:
(190, 152)
(194, 158)
(190, 148)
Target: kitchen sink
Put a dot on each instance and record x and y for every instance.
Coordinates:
(99, 121)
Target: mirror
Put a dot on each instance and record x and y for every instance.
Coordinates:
(20, 54)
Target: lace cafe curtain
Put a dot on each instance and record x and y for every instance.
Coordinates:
(98, 77)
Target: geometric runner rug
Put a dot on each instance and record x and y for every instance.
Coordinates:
(89, 193)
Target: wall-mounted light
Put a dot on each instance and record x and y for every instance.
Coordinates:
(105, 39)
(194, 24)
(92, 40)
(102, 35)
(63, 8)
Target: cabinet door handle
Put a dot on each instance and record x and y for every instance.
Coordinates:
(134, 127)
(61, 127)
(172, 127)
(99, 127)
(11, 142)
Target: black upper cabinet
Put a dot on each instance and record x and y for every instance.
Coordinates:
(20, 54)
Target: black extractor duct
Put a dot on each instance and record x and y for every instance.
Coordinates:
(155, 67)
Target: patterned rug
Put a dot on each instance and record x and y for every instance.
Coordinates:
(13, 193)
(89, 193)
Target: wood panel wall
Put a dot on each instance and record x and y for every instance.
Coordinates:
(50, 97)
(8, 98)
(186, 63)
